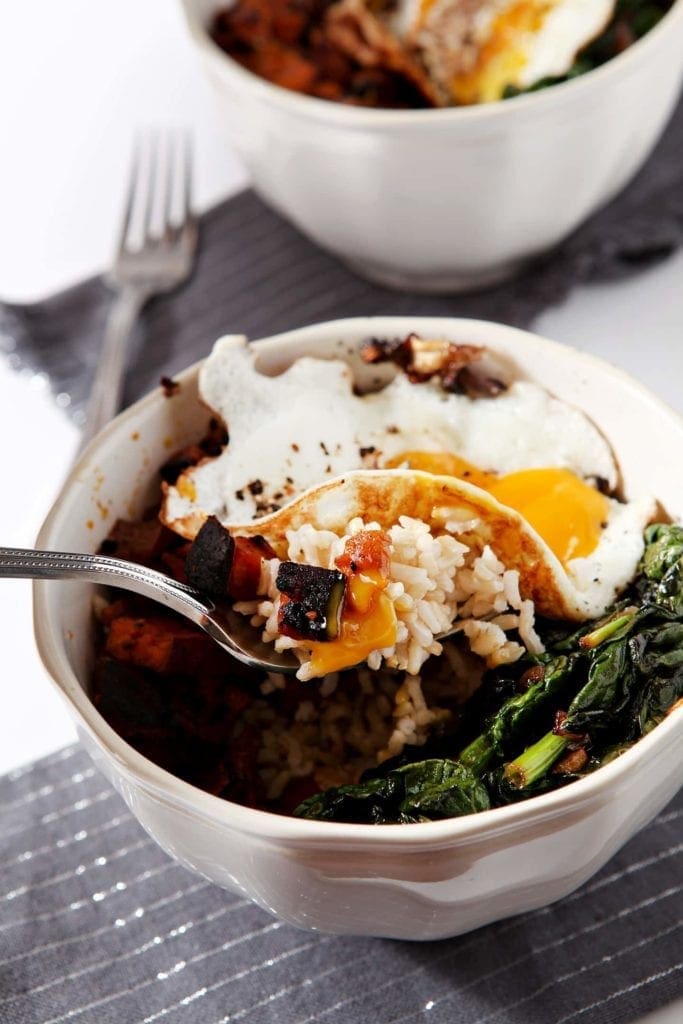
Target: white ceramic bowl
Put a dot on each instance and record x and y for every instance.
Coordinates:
(438, 200)
(420, 881)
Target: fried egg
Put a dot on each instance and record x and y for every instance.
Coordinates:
(476, 49)
(579, 589)
(540, 460)
(293, 431)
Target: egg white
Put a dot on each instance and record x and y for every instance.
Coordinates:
(293, 431)
(498, 43)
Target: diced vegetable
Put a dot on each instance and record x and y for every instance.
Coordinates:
(209, 559)
(225, 566)
(162, 644)
(137, 541)
(461, 369)
(311, 602)
(367, 551)
(245, 574)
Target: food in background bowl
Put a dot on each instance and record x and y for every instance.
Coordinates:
(492, 513)
(452, 198)
(405, 53)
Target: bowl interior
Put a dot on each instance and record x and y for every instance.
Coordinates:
(117, 476)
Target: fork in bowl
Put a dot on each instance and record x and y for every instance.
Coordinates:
(155, 254)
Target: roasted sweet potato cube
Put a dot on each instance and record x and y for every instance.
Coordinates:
(160, 644)
(245, 574)
(174, 562)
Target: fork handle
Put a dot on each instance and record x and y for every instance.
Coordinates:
(23, 563)
(107, 387)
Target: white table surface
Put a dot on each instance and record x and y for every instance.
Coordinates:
(75, 79)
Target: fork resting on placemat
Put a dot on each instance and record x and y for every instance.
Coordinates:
(155, 254)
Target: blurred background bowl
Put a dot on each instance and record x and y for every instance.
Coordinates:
(448, 199)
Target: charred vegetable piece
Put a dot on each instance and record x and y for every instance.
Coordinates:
(461, 369)
(180, 461)
(311, 606)
(225, 566)
(209, 559)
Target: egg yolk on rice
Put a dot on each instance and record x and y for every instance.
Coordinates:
(568, 513)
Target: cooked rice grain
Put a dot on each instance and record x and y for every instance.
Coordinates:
(437, 584)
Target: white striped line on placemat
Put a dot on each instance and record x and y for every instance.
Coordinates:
(79, 871)
(47, 762)
(112, 997)
(36, 794)
(120, 922)
(61, 844)
(95, 897)
(622, 992)
(79, 805)
(154, 942)
(280, 994)
(245, 972)
(561, 979)
(439, 958)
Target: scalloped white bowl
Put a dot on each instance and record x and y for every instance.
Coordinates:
(450, 199)
(421, 881)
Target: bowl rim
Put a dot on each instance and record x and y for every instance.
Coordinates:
(285, 828)
(380, 117)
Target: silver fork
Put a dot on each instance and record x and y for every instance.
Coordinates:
(158, 203)
(229, 629)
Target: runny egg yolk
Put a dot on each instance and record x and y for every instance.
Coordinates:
(368, 624)
(567, 512)
(504, 53)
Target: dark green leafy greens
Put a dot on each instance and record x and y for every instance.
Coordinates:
(421, 791)
(593, 694)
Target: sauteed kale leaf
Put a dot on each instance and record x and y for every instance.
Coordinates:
(593, 694)
(418, 791)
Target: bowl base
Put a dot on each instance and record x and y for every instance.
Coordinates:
(440, 283)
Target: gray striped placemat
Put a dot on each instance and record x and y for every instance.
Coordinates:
(98, 926)
(257, 275)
